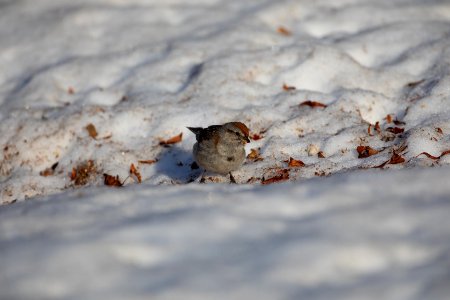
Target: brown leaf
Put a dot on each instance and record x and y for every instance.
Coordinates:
(112, 180)
(294, 163)
(365, 151)
(83, 172)
(148, 161)
(254, 155)
(283, 175)
(377, 127)
(49, 171)
(320, 154)
(368, 130)
(395, 130)
(313, 104)
(92, 131)
(288, 87)
(135, 172)
(446, 152)
(388, 119)
(396, 159)
(282, 30)
(439, 130)
(172, 140)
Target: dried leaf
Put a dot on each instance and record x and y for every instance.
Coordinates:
(446, 152)
(396, 159)
(365, 151)
(439, 130)
(388, 119)
(313, 104)
(112, 180)
(368, 130)
(294, 163)
(49, 171)
(148, 161)
(288, 87)
(254, 155)
(377, 127)
(172, 140)
(135, 172)
(320, 154)
(282, 30)
(92, 131)
(395, 130)
(82, 173)
(283, 175)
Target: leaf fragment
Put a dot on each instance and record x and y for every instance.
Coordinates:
(148, 161)
(91, 130)
(284, 31)
(388, 119)
(83, 172)
(254, 155)
(112, 180)
(365, 151)
(444, 153)
(396, 159)
(288, 88)
(282, 175)
(172, 140)
(313, 104)
(439, 130)
(49, 171)
(135, 172)
(294, 163)
(395, 130)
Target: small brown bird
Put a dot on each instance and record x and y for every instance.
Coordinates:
(220, 148)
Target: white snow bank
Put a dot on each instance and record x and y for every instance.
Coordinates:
(365, 235)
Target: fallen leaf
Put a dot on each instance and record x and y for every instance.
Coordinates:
(148, 161)
(49, 171)
(172, 140)
(294, 163)
(395, 130)
(135, 172)
(446, 152)
(254, 155)
(388, 119)
(365, 151)
(320, 154)
(313, 104)
(368, 130)
(91, 130)
(282, 30)
(439, 130)
(83, 172)
(283, 175)
(112, 180)
(377, 127)
(288, 87)
(396, 159)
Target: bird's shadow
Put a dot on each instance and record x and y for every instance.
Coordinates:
(178, 164)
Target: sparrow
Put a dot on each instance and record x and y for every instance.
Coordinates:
(220, 148)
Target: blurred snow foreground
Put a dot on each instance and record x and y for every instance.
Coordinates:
(348, 105)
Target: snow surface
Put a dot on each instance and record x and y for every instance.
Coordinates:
(141, 71)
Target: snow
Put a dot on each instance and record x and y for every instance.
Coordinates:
(141, 71)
